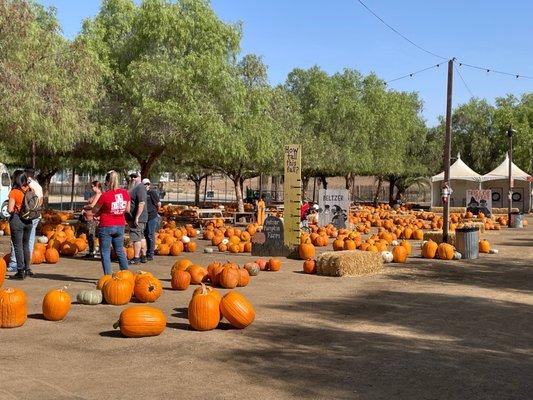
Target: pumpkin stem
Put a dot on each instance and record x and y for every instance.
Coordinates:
(116, 324)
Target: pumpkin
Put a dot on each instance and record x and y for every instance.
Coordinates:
(262, 264)
(429, 249)
(211, 291)
(244, 277)
(204, 311)
(445, 251)
(399, 254)
(118, 291)
(185, 239)
(182, 265)
(457, 255)
(42, 239)
(237, 310)
(387, 256)
(147, 289)
(484, 246)
(180, 280)
(163, 249)
(51, 256)
(90, 297)
(229, 277)
(102, 281)
(274, 264)
(141, 274)
(190, 247)
(405, 244)
(13, 308)
(141, 321)
(198, 274)
(252, 268)
(309, 266)
(306, 251)
(56, 304)
(176, 249)
(3, 270)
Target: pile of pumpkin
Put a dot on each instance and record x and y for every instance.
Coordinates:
(230, 239)
(173, 240)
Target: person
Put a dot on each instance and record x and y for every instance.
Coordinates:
(153, 204)
(110, 208)
(138, 217)
(261, 207)
(38, 190)
(20, 228)
(304, 210)
(89, 219)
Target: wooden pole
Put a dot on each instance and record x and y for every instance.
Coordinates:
(72, 190)
(447, 151)
(510, 156)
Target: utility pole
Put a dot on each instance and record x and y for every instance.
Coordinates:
(510, 157)
(447, 154)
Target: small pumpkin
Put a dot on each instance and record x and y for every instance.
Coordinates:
(262, 263)
(141, 321)
(387, 256)
(51, 256)
(244, 277)
(429, 249)
(457, 255)
(484, 246)
(252, 268)
(229, 277)
(13, 308)
(306, 250)
(147, 289)
(90, 297)
(182, 264)
(237, 310)
(274, 264)
(309, 266)
(56, 304)
(180, 280)
(198, 274)
(204, 311)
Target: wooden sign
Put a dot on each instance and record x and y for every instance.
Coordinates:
(479, 201)
(269, 242)
(292, 195)
(335, 206)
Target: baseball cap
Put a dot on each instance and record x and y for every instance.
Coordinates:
(134, 175)
(146, 181)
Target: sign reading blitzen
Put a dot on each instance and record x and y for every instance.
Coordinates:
(479, 201)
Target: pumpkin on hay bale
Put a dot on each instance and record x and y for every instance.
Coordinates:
(348, 263)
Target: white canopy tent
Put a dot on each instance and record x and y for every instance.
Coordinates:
(498, 181)
(462, 177)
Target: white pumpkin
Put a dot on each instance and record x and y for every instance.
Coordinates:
(208, 250)
(225, 241)
(185, 239)
(1, 233)
(395, 242)
(198, 231)
(89, 297)
(387, 256)
(457, 255)
(42, 239)
(493, 251)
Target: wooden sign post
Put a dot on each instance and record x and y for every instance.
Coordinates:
(292, 194)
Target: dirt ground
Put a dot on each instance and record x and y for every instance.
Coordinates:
(423, 330)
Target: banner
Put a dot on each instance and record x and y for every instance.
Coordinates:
(479, 201)
(334, 207)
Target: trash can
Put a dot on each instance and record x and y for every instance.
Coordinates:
(467, 242)
(517, 220)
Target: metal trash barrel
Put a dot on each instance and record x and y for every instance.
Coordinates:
(517, 220)
(467, 242)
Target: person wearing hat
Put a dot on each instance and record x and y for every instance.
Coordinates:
(153, 204)
(138, 218)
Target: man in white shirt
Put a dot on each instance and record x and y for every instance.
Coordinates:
(38, 190)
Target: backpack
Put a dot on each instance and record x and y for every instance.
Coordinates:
(30, 209)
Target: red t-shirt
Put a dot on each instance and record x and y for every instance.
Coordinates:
(112, 207)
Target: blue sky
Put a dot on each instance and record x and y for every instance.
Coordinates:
(342, 34)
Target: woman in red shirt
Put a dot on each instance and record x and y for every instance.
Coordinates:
(111, 207)
(20, 228)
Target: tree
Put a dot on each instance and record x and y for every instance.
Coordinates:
(168, 73)
(48, 87)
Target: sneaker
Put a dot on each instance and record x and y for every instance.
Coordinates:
(134, 261)
(28, 272)
(89, 256)
(19, 276)
(12, 269)
(143, 259)
(149, 258)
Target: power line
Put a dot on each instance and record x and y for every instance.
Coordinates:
(399, 33)
(464, 82)
(413, 73)
(517, 76)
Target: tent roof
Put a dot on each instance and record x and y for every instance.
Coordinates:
(459, 171)
(502, 172)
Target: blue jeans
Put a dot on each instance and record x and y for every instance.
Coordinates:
(149, 234)
(112, 235)
(13, 261)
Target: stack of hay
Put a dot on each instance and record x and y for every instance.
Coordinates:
(348, 263)
(436, 236)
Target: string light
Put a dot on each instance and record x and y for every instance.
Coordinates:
(495, 71)
(410, 75)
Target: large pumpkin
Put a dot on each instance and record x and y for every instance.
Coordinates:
(399, 254)
(51, 256)
(204, 311)
(429, 249)
(56, 304)
(445, 251)
(147, 289)
(118, 291)
(180, 280)
(237, 310)
(13, 308)
(141, 321)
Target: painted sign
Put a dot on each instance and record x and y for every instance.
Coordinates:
(269, 241)
(334, 205)
(292, 194)
(479, 201)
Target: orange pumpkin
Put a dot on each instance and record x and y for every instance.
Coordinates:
(229, 277)
(141, 321)
(274, 264)
(445, 251)
(484, 246)
(51, 256)
(102, 281)
(429, 249)
(198, 274)
(237, 310)
(3, 270)
(309, 266)
(180, 280)
(147, 289)
(117, 291)
(244, 278)
(13, 308)
(56, 305)
(190, 247)
(399, 254)
(204, 311)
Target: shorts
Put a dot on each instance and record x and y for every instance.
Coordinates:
(137, 232)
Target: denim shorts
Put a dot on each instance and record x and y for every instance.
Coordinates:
(137, 232)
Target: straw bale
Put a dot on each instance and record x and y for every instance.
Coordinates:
(436, 236)
(349, 263)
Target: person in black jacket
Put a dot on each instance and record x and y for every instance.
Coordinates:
(153, 203)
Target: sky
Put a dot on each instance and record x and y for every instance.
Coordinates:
(340, 34)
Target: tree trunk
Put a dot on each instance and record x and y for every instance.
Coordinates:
(238, 192)
(44, 177)
(146, 164)
(324, 182)
(376, 196)
(305, 185)
(275, 187)
(392, 183)
(242, 187)
(197, 184)
(348, 181)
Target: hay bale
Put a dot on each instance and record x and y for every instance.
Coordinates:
(348, 263)
(456, 210)
(436, 236)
